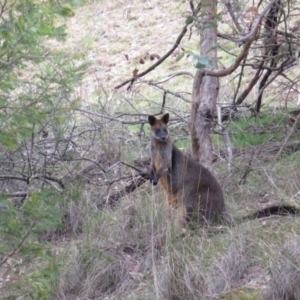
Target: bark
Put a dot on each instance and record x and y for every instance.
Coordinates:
(194, 111)
(205, 93)
(271, 46)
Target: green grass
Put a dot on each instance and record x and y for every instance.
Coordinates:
(184, 143)
(255, 131)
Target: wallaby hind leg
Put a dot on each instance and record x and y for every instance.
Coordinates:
(177, 216)
(178, 210)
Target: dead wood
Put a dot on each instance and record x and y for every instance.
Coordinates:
(137, 180)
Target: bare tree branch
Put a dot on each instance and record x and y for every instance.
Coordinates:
(176, 44)
(110, 117)
(248, 39)
(248, 89)
(239, 83)
(166, 90)
(42, 176)
(233, 17)
(11, 177)
(174, 75)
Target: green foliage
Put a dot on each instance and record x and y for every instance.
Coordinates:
(200, 61)
(19, 227)
(34, 82)
(36, 86)
(19, 231)
(255, 131)
(183, 143)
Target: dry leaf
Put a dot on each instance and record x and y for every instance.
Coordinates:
(135, 74)
(155, 56)
(126, 56)
(252, 9)
(142, 61)
(296, 27)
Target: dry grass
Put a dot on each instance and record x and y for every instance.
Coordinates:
(103, 33)
(135, 251)
(285, 271)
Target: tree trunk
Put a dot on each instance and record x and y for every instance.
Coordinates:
(205, 92)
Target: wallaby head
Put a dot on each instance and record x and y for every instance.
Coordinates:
(159, 128)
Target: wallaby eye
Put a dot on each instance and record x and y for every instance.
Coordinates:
(157, 131)
(165, 130)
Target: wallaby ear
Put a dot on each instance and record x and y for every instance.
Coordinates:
(165, 118)
(151, 120)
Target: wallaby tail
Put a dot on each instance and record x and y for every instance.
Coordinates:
(275, 210)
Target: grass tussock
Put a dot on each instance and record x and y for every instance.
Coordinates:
(285, 271)
(117, 251)
(135, 250)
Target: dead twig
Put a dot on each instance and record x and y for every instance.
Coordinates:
(181, 73)
(166, 91)
(137, 180)
(248, 168)
(286, 139)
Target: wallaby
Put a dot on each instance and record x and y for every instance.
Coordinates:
(191, 188)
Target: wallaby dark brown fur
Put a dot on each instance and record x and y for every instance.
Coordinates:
(190, 188)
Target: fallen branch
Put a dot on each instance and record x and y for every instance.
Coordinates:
(136, 182)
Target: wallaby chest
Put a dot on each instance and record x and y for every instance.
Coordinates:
(161, 154)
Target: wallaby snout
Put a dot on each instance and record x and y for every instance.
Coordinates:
(159, 129)
(160, 133)
(163, 138)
